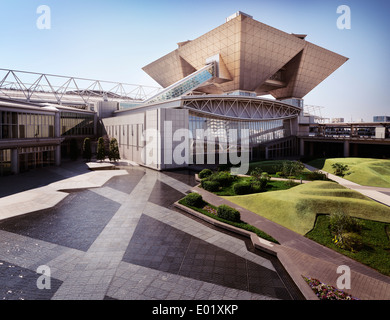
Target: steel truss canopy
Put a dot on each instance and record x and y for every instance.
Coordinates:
(248, 108)
(40, 87)
(255, 57)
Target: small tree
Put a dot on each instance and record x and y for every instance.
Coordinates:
(113, 153)
(101, 152)
(292, 168)
(340, 169)
(259, 179)
(87, 151)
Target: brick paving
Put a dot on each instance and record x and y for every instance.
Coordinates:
(116, 235)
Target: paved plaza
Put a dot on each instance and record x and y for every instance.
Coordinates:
(115, 234)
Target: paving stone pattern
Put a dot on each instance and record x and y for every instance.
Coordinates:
(124, 240)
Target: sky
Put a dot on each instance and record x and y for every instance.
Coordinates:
(113, 40)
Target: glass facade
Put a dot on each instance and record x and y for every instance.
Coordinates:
(381, 119)
(186, 85)
(259, 131)
(36, 157)
(5, 162)
(21, 125)
(77, 124)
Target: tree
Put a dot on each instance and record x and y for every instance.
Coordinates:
(101, 152)
(87, 151)
(259, 179)
(340, 169)
(113, 153)
(292, 168)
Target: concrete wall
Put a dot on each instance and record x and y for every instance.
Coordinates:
(127, 130)
(171, 121)
(159, 127)
(104, 109)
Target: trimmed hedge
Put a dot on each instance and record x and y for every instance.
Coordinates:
(211, 186)
(205, 173)
(241, 188)
(228, 213)
(194, 199)
(224, 178)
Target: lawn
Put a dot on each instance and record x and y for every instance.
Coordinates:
(297, 207)
(376, 249)
(272, 185)
(270, 166)
(364, 171)
(211, 211)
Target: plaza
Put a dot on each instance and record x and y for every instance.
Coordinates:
(118, 236)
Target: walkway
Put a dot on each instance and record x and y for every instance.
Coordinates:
(115, 235)
(381, 195)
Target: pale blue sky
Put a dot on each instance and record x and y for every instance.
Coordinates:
(113, 40)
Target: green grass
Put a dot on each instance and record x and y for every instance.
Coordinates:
(376, 244)
(273, 185)
(364, 171)
(241, 225)
(297, 207)
(269, 166)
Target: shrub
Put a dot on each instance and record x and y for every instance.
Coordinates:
(260, 179)
(346, 231)
(340, 222)
(224, 178)
(241, 188)
(205, 173)
(316, 175)
(340, 169)
(101, 152)
(209, 185)
(113, 153)
(194, 199)
(292, 168)
(279, 174)
(256, 187)
(228, 213)
(351, 241)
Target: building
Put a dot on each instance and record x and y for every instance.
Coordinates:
(36, 135)
(212, 107)
(215, 83)
(381, 119)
